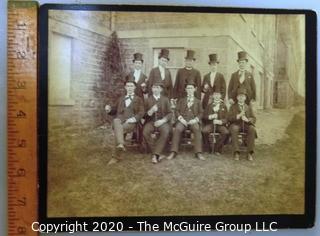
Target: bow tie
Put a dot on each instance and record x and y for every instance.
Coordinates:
(129, 97)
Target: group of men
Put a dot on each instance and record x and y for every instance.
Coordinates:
(197, 105)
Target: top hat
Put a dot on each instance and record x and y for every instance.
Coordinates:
(242, 55)
(137, 57)
(164, 53)
(241, 91)
(190, 55)
(158, 83)
(213, 58)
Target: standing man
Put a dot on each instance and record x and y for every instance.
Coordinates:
(158, 118)
(187, 75)
(189, 114)
(213, 81)
(242, 79)
(138, 76)
(129, 110)
(161, 74)
(242, 119)
(215, 120)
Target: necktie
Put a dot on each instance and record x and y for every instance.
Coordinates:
(128, 100)
(216, 106)
(190, 102)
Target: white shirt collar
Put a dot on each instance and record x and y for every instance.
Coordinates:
(156, 97)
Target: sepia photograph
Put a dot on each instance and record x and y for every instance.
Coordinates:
(175, 113)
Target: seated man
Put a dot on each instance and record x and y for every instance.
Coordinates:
(158, 118)
(215, 120)
(129, 110)
(242, 119)
(189, 114)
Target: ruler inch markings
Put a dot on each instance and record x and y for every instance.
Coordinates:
(22, 117)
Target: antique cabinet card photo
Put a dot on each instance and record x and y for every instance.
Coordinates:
(177, 118)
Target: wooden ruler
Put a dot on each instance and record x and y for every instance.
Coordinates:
(22, 117)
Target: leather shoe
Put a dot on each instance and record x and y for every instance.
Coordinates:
(250, 156)
(200, 157)
(236, 156)
(171, 156)
(121, 148)
(154, 159)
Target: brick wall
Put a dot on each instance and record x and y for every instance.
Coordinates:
(90, 80)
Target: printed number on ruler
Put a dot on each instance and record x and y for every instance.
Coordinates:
(22, 117)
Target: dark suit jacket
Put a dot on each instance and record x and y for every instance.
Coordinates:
(138, 91)
(164, 109)
(184, 77)
(248, 84)
(222, 113)
(155, 76)
(235, 110)
(219, 84)
(189, 113)
(135, 109)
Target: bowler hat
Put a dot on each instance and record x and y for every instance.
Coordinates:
(242, 55)
(190, 83)
(241, 91)
(159, 83)
(137, 57)
(190, 55)
(130, 81)
(164, 53)
(213, 58)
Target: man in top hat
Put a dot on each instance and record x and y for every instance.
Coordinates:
(242, 119)
(158, 117)
(187, 75)
(215, 120)
(129, 110)
(138, 76)
(213, 81)
(189, 115)
(161, 74)
(242, 79)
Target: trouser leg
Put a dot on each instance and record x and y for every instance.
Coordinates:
(206, 130)
(197, 137)
(224, 133)
(177, 136)
(163, 138)
(251, 135)
(118, 131)
(147, 131)
(234, 131)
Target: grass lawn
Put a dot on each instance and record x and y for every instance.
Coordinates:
(81, 183)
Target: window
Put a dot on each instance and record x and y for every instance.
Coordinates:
(59, 69)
